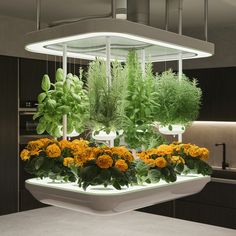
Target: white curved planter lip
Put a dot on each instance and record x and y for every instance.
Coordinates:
(109, 201)
(176, 129)
(103, 136)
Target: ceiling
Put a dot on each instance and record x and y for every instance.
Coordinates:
(222, 13)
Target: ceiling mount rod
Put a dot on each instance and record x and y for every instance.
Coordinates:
(167, 15)
(38, 14)
(206, 19)
(180, 17)
(113, 8)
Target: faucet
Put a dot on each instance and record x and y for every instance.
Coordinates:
(224, 163)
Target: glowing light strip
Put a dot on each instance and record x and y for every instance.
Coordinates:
(40, 47)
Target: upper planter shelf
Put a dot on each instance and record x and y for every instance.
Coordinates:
(88, 39)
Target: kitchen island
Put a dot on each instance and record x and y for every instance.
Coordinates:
(53, 221)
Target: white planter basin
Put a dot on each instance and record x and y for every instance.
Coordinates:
(109, 201)
(103, 136)
(176, 129)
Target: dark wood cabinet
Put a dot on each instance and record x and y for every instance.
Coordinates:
(215, 205)
(8, 135)
(219, 93)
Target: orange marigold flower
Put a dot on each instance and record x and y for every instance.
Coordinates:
(68, 161)
(123, 152)
(121, 165)
(177, 159)
(35, 145)
(79, 162)
(165, 150)
(35, 152)
(25, 155)
(161, 162)
(65, 144)
(194, 151)
(46, 141)
(204, 153)
(153, 151)
(104, 161)
(53, 151)
(93, 153)
(186, 147)
(150, 162)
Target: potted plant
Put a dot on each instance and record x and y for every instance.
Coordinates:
(139, 103)
(64, 97)
(106, 101)
(178, 101)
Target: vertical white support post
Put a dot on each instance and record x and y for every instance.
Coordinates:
(180, 64)
(108, 60)
(143, 61)
(108, 73)
(64, 65)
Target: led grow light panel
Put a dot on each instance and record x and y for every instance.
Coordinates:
(109, 201)
(87, 40)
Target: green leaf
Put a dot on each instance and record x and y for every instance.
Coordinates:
(180, 167)
(41, 127)
(39, 162)
(59, 75)
(116, 185)
(37, 115)
(64, 109)
(41, 97)
(46, 84)
(154, 175)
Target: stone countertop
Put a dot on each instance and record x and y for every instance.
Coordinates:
(53, 221)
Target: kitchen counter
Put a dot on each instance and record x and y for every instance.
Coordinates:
(53, 221)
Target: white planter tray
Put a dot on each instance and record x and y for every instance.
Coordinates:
(109, 201)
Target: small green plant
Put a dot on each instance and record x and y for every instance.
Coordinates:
(179, 100)
(64, 97)
(140, 103)
(106, 100)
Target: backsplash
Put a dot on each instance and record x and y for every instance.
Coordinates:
(208, 133)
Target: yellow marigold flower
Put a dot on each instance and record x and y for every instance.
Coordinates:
(79, 162)
(65, 144)
(53, 151)
(165, 150)
(150, 162)
(161, 162)
(194, 151)
(204, 153)
(46, 141)
(105, 150)
(104, 161)
(177, 159)
(123, 152)
(152, 151)
(186, 147)
(80, 142)
(35, 152)
(68, 161)
(25, 155)
(93, 153)
(121, 165)
(35, 145)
